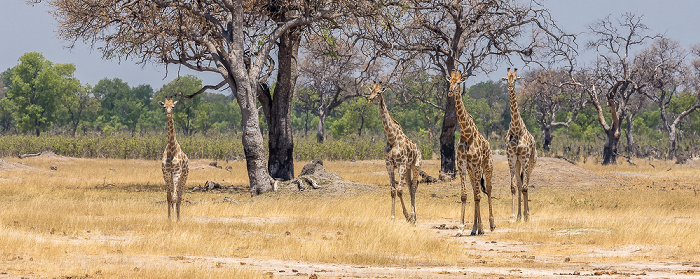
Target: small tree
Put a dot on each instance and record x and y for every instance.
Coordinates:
(121, 106)
(333, 72)
(548, 97)
(80, 106)
(663, 64)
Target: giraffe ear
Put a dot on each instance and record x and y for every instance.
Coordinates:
(161, 104)
(175, 103)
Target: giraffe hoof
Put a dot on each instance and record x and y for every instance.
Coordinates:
(411, 219)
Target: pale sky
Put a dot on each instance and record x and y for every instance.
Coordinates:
(25, 28)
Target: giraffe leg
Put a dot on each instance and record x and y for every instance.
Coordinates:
(170, 203)
(513, 184)
(525, 179)
(519, 185)
(477, 228)
(463, 199)
(167, 176)
(181, 186)
(399, 192)
(176, 196)
(488, 172)
(390, 170)
(412, 187)
(531, 166)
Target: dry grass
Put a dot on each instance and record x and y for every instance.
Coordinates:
(106, 218)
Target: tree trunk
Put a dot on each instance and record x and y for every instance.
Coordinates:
(610, 147)
(320, 133)
(75, 128)
(244, 87)
(260, 179)
(281, 141)
(447, 139)
(362, 125)
(671, 142)
(306, 124)
(547, 138)
(630, 137)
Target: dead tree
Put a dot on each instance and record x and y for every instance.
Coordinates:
(665, 68)
(549, 94)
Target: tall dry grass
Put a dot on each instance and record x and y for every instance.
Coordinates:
(109, 210)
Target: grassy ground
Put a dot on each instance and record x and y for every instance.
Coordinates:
(107, 218)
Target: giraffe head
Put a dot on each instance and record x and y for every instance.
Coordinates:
(455, 80)
(511, 77)
(376, 89)
(169, 104)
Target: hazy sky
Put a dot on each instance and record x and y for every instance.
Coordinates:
(26, 28)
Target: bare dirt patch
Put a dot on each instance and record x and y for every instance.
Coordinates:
(6, 166)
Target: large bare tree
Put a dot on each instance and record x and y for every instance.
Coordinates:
(612, 81)
(475, 35)
(232, 38)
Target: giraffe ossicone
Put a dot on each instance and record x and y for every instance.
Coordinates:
(175, 163)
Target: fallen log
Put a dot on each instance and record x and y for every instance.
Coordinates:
(30, 155)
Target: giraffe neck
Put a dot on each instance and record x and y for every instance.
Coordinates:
(516, 122)
(390, 126)
(467, 126)
(172, 141)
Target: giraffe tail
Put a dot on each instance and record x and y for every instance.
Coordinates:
(483, 185)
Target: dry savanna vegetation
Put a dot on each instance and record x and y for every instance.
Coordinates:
(106, 218)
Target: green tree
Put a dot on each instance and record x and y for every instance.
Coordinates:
(36, 86)
(225, 114)
(121, 105)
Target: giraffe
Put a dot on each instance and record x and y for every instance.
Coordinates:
(400, 153)
(175, 163)
(521, 151)
(473, 157)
